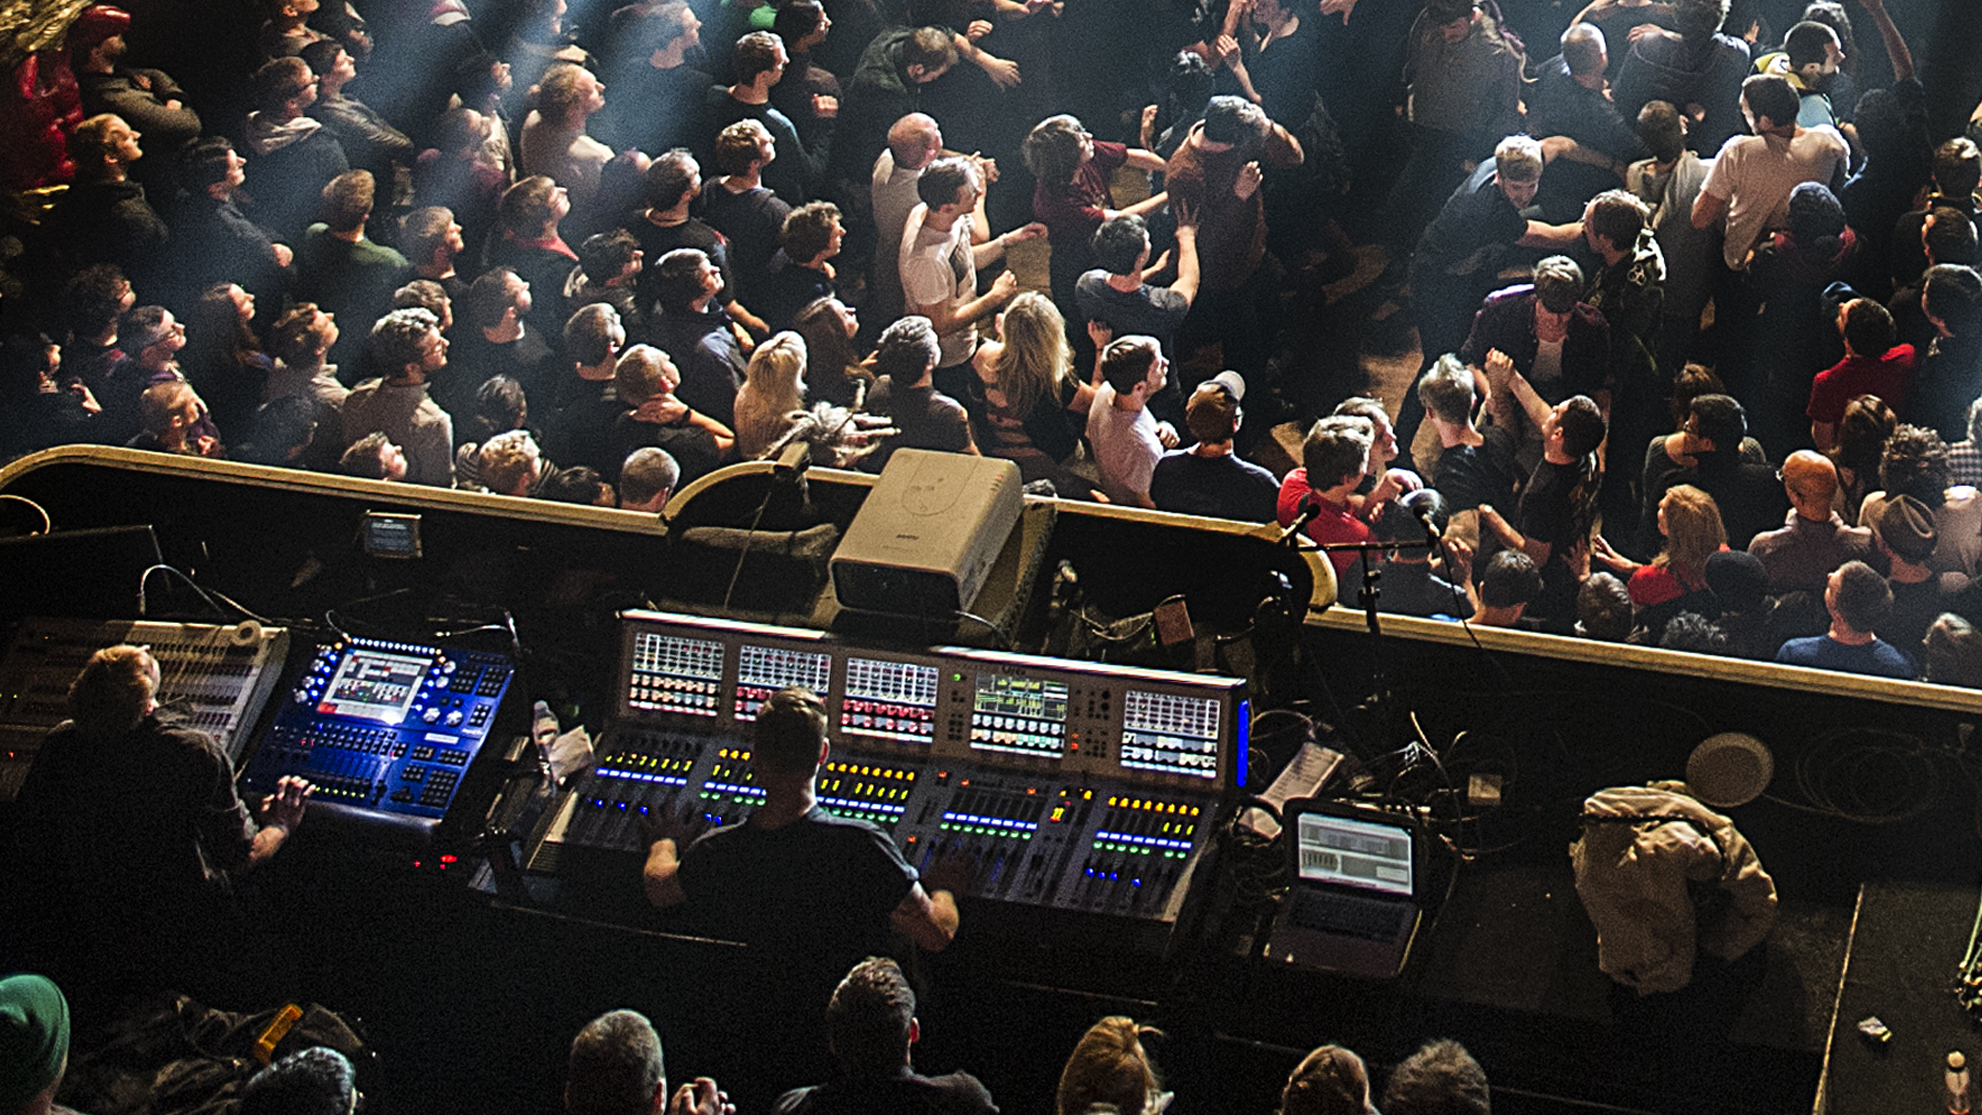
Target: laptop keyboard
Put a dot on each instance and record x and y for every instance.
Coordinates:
(1372, 919)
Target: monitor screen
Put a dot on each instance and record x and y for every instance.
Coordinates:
(390, 535)
(673, 674)
(1170, 734)
(374, 685)
(889, 700)
(1019, 715)
(1367, 854)
(762, 671)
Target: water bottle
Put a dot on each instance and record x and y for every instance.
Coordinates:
(1957, 1083)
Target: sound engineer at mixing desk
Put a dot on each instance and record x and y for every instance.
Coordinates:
(129, 825)
(811, 894)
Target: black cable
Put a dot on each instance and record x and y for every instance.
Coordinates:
(1004, 640)
(190, 583)
(770, 489)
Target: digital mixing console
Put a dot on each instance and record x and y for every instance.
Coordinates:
(384, 730)
(1075, 786)
(213, 678)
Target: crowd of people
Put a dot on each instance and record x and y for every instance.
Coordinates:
(617, 1067)
(589, 254)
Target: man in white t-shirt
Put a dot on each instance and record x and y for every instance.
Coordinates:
(939, 265)
(1127, 439)
(913, 143)
(1753, 175)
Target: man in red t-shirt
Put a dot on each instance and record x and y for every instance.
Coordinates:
(1872, 365)
(1336, 454)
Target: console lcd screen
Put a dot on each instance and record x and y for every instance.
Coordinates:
(374, 685)
(1170, 734)
(1020, 715)
(762, 671)
(891, 700)
(673, 674)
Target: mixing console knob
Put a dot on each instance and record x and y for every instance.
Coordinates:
(302, 696)
(431, 716)
(454, 718)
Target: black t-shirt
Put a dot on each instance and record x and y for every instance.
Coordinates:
(927, 419)
(657, 241)
(1555, 509)
(787, 288)
(1915, 608)
(1477, 216)
(1222, 487)
(812, 898)
(1469, 475)
(581, 432)
(752, 221)
(473, 361)
(1548, 506)
(958, 1093)
(692, 447)
(1411, 589)
(120, 844)
(1152, 310)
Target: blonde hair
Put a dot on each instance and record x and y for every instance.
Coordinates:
(114, 691)
(507, 459)
(1518, 158)
(773, 387)
(1108, 1065)
(1035, 360)
(1693, 530)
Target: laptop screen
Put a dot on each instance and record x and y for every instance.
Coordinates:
(1366, 854)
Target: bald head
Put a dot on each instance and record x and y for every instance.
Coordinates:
(914, 140)
(1811, 481)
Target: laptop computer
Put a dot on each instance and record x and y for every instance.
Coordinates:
(1353, 903)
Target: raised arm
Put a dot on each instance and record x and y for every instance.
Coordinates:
(1896, 52)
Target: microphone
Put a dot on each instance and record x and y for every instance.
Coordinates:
(1310, 510)
(1420, 511)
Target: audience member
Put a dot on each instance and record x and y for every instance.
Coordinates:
(1208, 478)
(647, 478)
(294, 155)
(872, 1026)
(773, 387)
(644, 383)
(313, 1081)
(1110, 1065)
(341, 269)
(904, 393)
(1441, 1078)
(409, 345)
(34, 1044)
(1424, 575)
(692, 327)
(1028, 404)
(1330, 1080)
(1127, 439)
(1814, 540)
(1859, 602)
(617, 1068)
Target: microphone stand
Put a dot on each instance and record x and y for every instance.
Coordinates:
(1366, 597)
